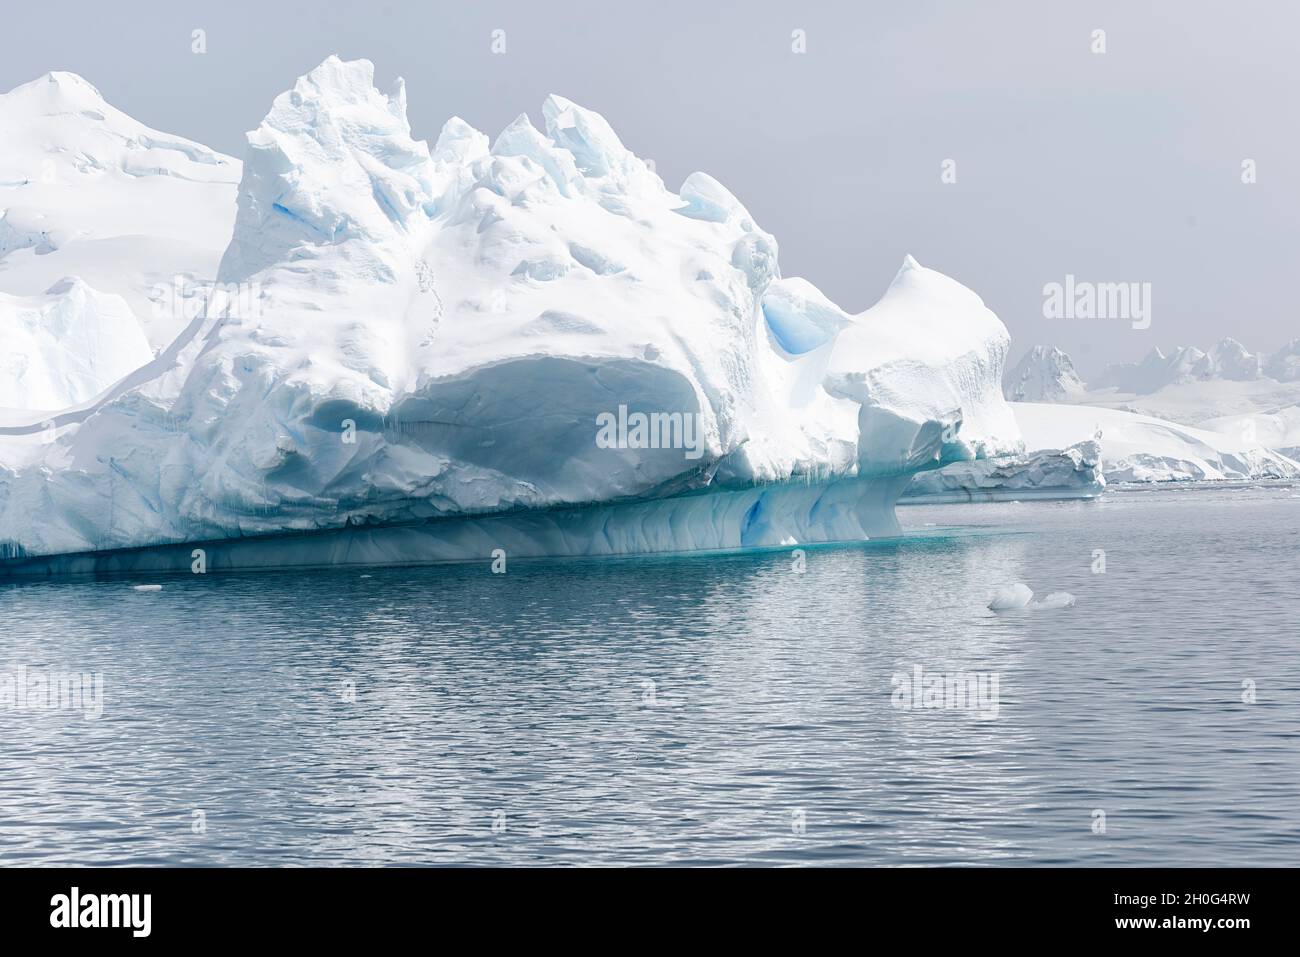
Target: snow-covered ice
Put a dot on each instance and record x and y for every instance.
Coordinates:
(438, 330)
(1052, 601)
(1186, 385)
(1199, 388)
(1074, 472)
(65, 346)
(1018, 596)
(1225, 414)
(1279, 430)
(1140, 448)
(1010, 597)
(1075, 450)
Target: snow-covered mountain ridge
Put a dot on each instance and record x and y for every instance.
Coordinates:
(1251, 400)
(87, 191)
(1228, 361)
(1044, 374)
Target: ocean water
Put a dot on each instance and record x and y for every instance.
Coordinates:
(689, 710)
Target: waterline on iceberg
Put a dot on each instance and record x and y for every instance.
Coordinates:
(784, 514)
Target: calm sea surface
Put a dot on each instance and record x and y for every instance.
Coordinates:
(701, 710)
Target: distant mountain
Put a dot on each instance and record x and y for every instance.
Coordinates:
(1228, 361)
(1155, 371)
(88, 192)
(1229, 389)
(1284, 365)
(1044, 374)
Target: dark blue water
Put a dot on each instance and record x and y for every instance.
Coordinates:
(712, 710)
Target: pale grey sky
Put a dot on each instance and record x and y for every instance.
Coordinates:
(1115, 167)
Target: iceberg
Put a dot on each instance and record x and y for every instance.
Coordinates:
(1019, 597)
(1011, 597)
(1073, 472)
(435, 335)
(1053, 601)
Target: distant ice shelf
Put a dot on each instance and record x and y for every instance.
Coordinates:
(1124, 449)
(1143, 449)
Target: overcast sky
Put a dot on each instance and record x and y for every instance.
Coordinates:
(1124, 166)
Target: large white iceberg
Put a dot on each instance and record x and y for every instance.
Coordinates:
(419, 347)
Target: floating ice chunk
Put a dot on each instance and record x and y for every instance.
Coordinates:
(1057, 599)
(1011, 597)
(1017, 596)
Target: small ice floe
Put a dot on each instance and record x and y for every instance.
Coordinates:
(1057, 599)
(146, 587)
(1017, 596)
(1011, 597)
